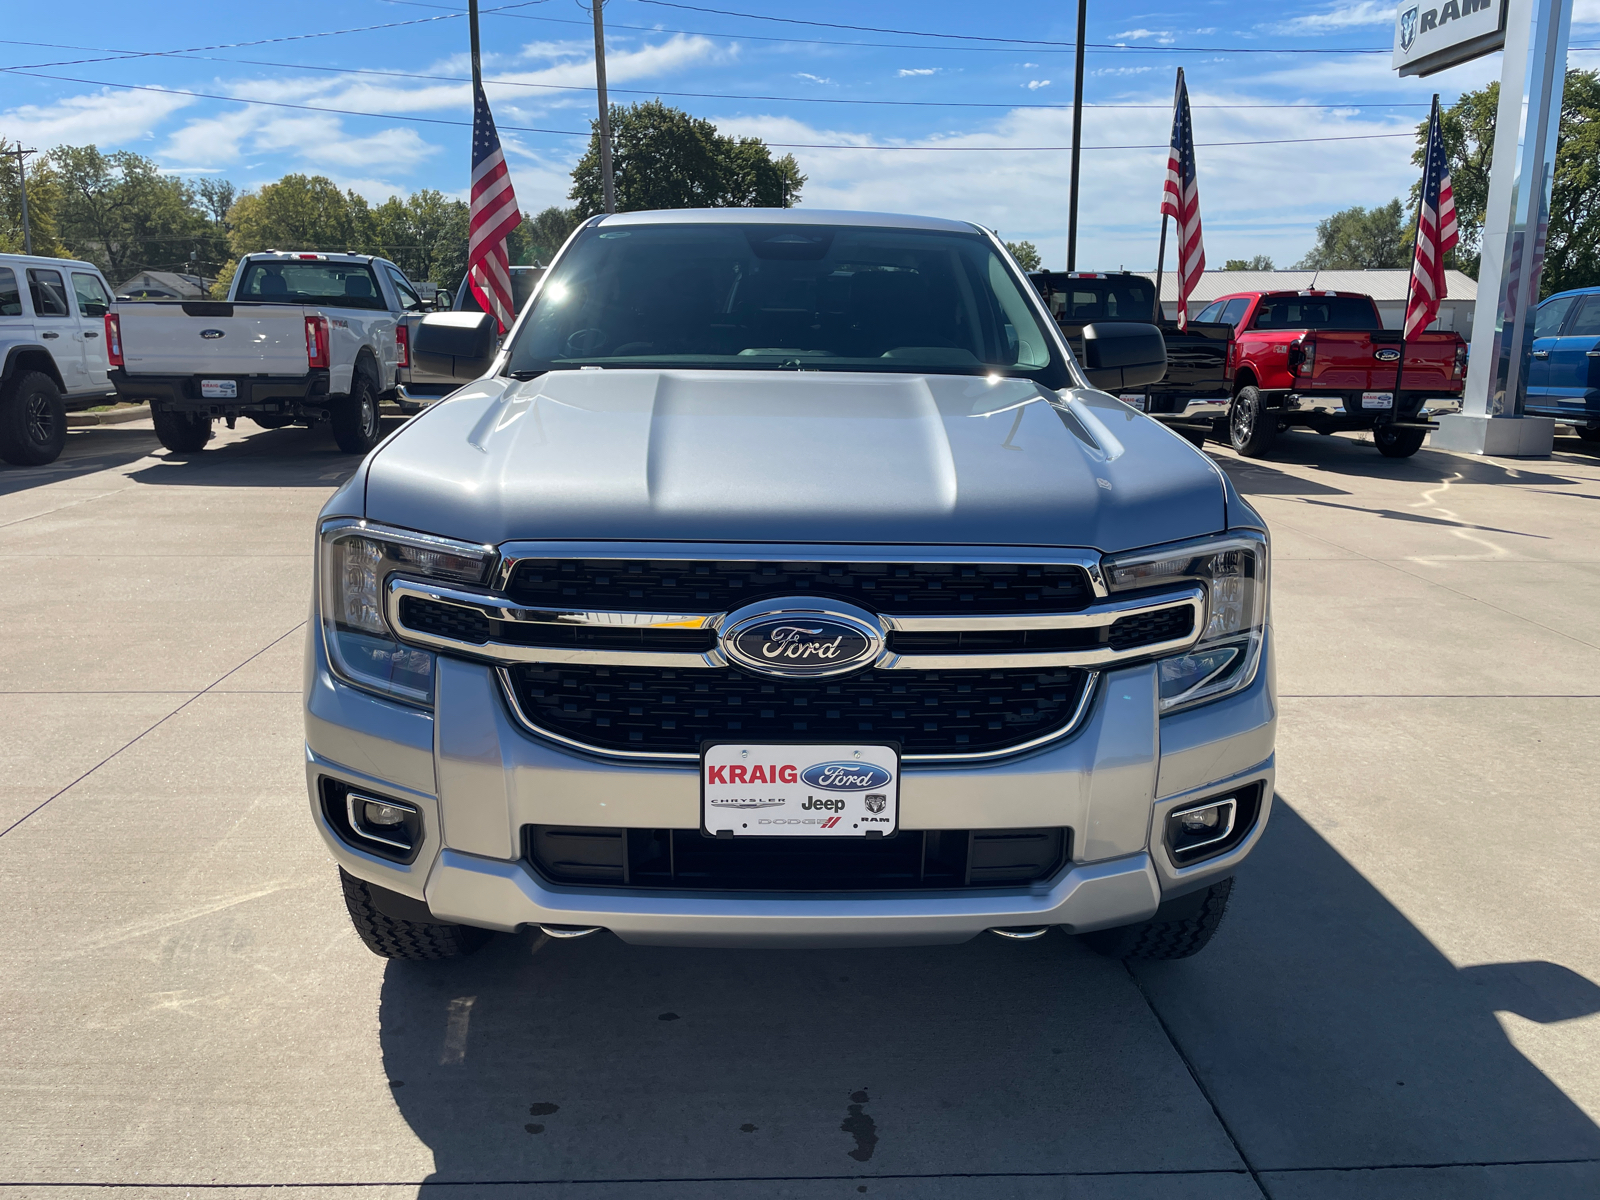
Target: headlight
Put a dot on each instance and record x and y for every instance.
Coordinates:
(1233, 570)
(355, 562)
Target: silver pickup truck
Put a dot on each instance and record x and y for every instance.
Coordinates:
(785, 580)
(302, 337)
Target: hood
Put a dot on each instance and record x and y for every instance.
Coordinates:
(808, 457)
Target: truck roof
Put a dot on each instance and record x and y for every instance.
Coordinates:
(46, 260)
(318, 256)
(784, 216)
(1290, 292)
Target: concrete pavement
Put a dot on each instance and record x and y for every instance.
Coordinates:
(1402, 1001)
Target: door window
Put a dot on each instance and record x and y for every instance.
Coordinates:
(1235, 311)
(1549, 315)
(10, 298)
(49, 293)
(92, 298)
(1587, 322)
(409, 300)
(1210, 312)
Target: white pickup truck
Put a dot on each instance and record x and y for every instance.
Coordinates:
(302, 337)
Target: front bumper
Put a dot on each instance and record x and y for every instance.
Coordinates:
(477, 779)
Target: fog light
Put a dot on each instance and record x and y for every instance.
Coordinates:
(389, 823)
(383, 815)
(1192, 830)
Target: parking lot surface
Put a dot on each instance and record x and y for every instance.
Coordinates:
(1401, 1003)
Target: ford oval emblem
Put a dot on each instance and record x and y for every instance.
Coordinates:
(1387, 354)
(801, 637)
(211, 334)
(845, 777)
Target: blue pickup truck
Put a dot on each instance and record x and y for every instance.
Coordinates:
(1564, 380)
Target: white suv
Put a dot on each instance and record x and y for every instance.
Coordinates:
(52, 337)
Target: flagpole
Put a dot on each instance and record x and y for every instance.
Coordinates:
(1077, 143)
(1161, 254)
(1411, 278)
(477, 67)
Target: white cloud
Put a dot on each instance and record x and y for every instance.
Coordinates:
(106, 117)
(811, 77)
(1163, 37)
(1342, 16)
(1034, 85)
(904, 71)
(1123, 71)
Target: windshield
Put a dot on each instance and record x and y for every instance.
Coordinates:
(1316, 312)
(334, 284)
(811, 297)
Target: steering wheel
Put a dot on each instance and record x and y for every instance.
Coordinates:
(585, 341)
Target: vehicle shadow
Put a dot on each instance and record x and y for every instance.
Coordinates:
(249, 456)
(1324, 1026)
(88, 451)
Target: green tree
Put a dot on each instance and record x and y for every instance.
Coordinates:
(549, 231)
(1572, 245)
(121, 213)
(664, 158)
(425, 235)
(1260, 262)
(299, 212)
(1357, 238)
(44, 200)
(1026, 254)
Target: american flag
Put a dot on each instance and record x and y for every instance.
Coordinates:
(1180, 200)
(1436, 232)
(494, 214)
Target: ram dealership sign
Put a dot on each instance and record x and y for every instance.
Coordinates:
(1430, 35)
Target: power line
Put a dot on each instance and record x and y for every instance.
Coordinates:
(349, 112)
(571, 87)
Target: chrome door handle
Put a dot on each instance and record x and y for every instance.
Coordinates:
(89, 333)
(1541, 354)
(50, 335)
(1591, 353)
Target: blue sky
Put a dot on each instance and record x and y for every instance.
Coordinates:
(828, 92)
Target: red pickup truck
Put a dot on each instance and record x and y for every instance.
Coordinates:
(1323, 360)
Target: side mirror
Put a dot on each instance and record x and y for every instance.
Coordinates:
(459, 345)
(1123, 354)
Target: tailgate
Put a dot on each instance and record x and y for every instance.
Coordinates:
(1348, 359)
(191, 337)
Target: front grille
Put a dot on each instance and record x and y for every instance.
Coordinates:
(1148, 629)
(685, 859)
(672, 711)
(468, 625)
(908, 589)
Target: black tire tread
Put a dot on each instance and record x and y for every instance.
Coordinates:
(1264, 430)
(1398, 443)
(391, 937)
(181, 432)
(16, 447)
(1589, 433)
(1180, 937)
(346, 415)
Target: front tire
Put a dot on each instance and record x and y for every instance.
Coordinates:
(181, 432)
(1397, 443)
(1181, 927)
(356, 426)
(33, 420)
(1589, 433)
(395, 937)
(1251, 428)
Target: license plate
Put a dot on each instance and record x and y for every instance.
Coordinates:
(219, 389)
(1377, 399)
(1136, 401)
(799, 790)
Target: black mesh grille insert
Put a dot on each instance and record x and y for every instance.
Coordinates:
(673, 711)
(1146, 630)
(652, 585)
(684, 859)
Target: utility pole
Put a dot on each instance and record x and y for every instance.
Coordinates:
(472, 32)
(22, 179)
(1077, 142)
(607, 186)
